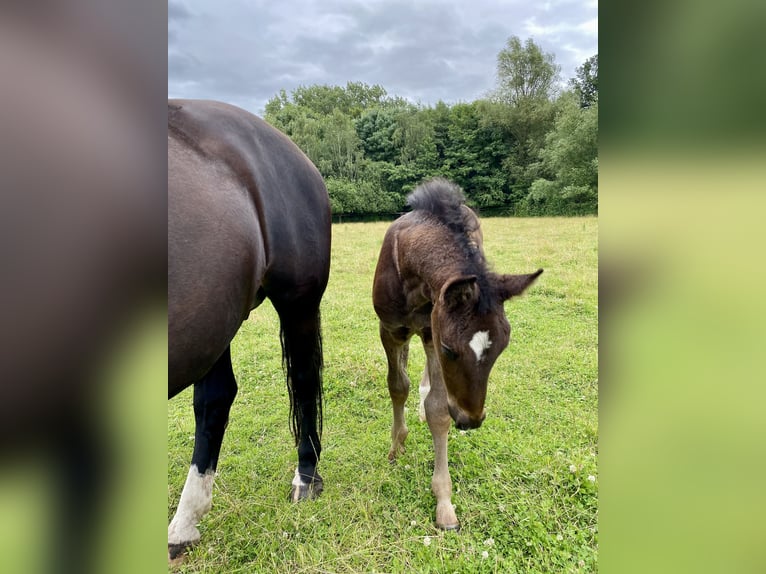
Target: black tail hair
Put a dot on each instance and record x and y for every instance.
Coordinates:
(311, 387)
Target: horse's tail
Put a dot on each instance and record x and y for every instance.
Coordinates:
(302, 360)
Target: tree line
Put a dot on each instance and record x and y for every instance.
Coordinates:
(527, 148)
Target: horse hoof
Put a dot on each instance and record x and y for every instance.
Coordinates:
(177, 552)
(394, 454)
(449, 527)
(306, 491)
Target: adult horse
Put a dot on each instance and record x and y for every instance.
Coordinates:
(248, 219)
(432, 280)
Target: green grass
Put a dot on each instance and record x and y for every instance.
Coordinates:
(520, 482)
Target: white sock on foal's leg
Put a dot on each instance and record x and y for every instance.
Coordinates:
(424, 390)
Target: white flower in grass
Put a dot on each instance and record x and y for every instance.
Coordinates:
(427, 541)
(485, 555)
(559, 537)
(489, 542)
(413, 523)
(591, 478)
(572, 468)
(462, 432)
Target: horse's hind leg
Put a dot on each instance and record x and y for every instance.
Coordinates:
(302, 355)
(396, 345)
(213, 397)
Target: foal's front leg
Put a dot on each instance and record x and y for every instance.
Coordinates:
(437, 415)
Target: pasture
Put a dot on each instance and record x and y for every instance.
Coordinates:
(525, 484)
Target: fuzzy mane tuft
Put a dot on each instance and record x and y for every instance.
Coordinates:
(441, 198)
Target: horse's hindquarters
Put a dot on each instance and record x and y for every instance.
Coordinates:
(215, 262)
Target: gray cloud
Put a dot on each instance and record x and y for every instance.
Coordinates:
(244, 52)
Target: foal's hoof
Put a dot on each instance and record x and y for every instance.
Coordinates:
(449, 527)
(394, 453)
(446, 519)
(303, 490)
(177, 552)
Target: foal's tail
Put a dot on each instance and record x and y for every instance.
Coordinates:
(302, 360)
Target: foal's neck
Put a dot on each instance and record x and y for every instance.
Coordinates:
(435, 256)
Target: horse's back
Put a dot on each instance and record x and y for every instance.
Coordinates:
(287, 190)
(248, 217)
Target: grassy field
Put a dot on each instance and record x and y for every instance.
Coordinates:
(525, 484)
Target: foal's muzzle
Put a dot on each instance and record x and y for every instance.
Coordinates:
(464, 421)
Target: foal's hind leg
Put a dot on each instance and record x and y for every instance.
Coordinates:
(396, 345)
(213, 397)
(302, 348)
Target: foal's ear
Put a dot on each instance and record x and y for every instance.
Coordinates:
(511, 285)
(458, 291)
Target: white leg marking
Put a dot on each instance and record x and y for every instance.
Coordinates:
(297, 483)
(196, 500)
(424, 390)
(479, 343)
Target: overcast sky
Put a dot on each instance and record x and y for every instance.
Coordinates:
(245, 51)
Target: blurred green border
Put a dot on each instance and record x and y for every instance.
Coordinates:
(681, 288)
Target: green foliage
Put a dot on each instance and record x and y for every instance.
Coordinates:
(585, 82)
(525, 73)
(526, 85)
(570, 159)
(360, 197)
(373, 149)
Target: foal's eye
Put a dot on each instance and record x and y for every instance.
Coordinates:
(449, 353)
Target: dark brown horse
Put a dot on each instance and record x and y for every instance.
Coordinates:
(248, 219)
(432, 280)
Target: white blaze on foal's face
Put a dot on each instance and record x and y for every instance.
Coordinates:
(480, 342)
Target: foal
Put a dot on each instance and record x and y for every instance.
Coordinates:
(432, 280)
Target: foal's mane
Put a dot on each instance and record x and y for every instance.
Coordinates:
(444, 201)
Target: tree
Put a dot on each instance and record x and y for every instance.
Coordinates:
(522, 148)
(525, 73)
(473, 154)
(375, 128)
(585, 82)
(524, 96)
(570, 160)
